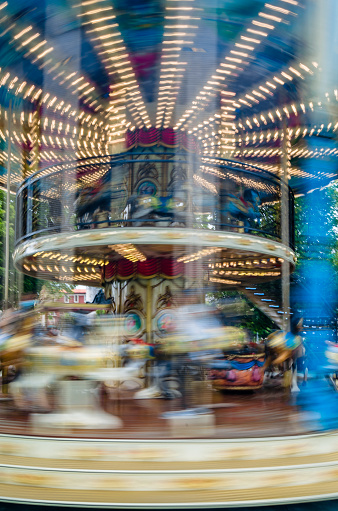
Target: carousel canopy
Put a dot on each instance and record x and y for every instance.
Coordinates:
(81, 76)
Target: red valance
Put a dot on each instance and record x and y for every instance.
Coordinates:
(153, 267)
(166, 137)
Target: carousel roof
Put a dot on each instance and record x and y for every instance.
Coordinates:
(233, 73)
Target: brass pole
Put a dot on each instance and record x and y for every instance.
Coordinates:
(149, 311)
(285, 230)
(9, 151)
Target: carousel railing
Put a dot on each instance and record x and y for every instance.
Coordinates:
(98, 193)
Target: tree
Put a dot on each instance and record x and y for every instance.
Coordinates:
(252, 319)
(31, 285)
(13, 275)
(55, 289)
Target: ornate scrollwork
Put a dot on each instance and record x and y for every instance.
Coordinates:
(147, 171)
(133, 301)
(165, 300)
(177, 175)
(113, 306)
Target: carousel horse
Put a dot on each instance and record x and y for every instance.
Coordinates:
(169, 208)
(16, 330)
(242, 208)
(90, 197)
(18, 336)
(286, 348)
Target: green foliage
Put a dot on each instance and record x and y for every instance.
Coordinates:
(254, 321)
(270, 219)
(54, 290)
(13, 275)
(30, 284)
(258, 323)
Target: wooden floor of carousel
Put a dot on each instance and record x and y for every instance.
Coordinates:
(261, 449)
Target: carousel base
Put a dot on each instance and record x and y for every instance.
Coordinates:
(199, 422)
(154, 392)
(79, 419)
(260, 450)
(227, 387)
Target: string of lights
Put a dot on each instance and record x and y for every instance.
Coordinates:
(198, 255)
(178, 28)
(234, 63)
(28, 42)
(103, 30)
(129, 251)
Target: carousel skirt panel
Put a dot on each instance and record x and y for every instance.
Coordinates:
(167, 137)
(153, 267)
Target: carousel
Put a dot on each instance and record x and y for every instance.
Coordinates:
(158, 226)
(152, 160)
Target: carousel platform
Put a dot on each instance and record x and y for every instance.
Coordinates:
(262, 413)
(260, 450)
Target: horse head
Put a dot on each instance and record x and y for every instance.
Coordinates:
(17, 329)
(141, 206)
